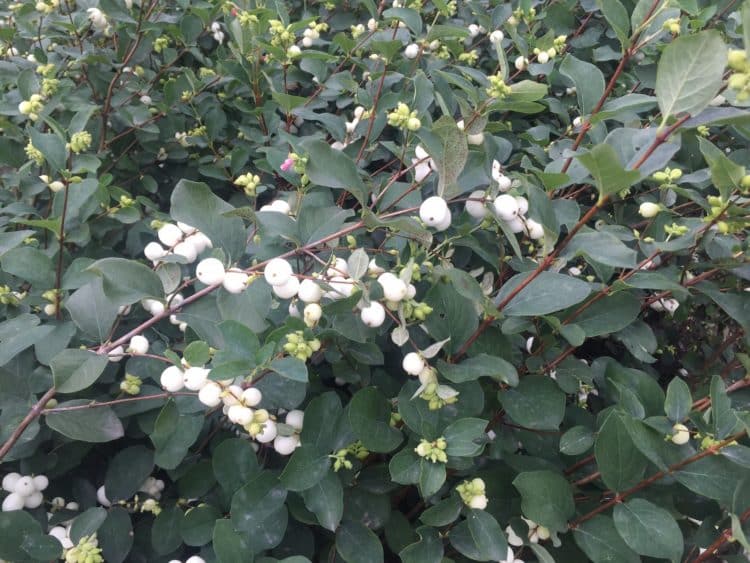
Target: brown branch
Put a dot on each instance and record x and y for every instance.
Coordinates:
(94, 405)
(32, 415)
(655, 477)
(723, 538)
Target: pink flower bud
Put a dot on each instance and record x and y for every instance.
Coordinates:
(287, 165)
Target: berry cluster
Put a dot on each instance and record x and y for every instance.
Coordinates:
(25, 491)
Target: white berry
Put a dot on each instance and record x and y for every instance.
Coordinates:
(506, 207)
(34, 500)
(413, 363)
(199, 242)
(40, 482)
(277, 272)
(24, 486)
(195, 559)
(285, 445)
(195, 378)
(116, 354)
(523, 205)
(411, 51)
(153, 306)
(9, 481)
(476, 209)
(268, 433)
(187, 250)
(170, 235)
(433, 211)
(516, 225)
(154, 251)
(101, 496)
(287, 290)
(648, 209)
(339, 268)
(138, 344)
(373, 315)
(172, 379)
(309, 291)
(312, 314)
(295, 418)
(210, 271)
(394, 289)
(535, 229)
(341, 286)
(543, 57)
(185, 228)
(445, 223)
(235, 281)
(210, 394)
(681, 434)
(240, 414)
(252, 397)
(13, 501)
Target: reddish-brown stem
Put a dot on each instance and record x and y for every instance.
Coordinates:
(723, 538)
(655, 477)
(94, 405)
(28, 419)
(580, 463)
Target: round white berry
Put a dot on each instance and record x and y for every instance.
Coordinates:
(338, 268)
(506, 207)
(309, 291)
(61, 535)
(394, 289)
(433, 211)
(185, 228)
(116, 354)
(9, 481)
(101, 496)
(373, 269)
(312, 314)
(648, 209)
(496, 37)
(285, 445)
(172, 379)
(521, 62)
(413, 363)
(268, 433)
(153, 306)
(295, 418)
(681, 434)
(138, 344)
(240, 414)
(543, 57)
(24, 486)
(535, 229)
(195, 559)
(199, 242)
(478, 502)
(341, 287)
(475, 139)
(154, 251)
(195, 378)
(187, 250)
(210, 271)
(277, 272)
(170, 235)
(523, 205)
(34, 500)
(40, 482)
(411, 291)
(411, 51)
(294, 310)
(235, 281)
(210, 394)
(13, 501)
(252, 397)
(50, 309)
(445, 223)
(373, 315)
(516, 225)
(287, 290)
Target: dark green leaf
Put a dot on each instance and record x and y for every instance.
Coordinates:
(356, 543)
(370, 415)
(307, 466)
(537, 402)
(98, 424)
(74, 369)
(649, 529)
(546, 498)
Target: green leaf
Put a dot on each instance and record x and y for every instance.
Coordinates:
(11, 240)
(482, 365)
(127, 281)
(617, 16)
(19, 333)
(649, 529)
(735, 305)
(127, 471)
(610, 314)
(334, 169)
(410, 17)
(548, 293)
(443, 513)
(41, 547)
(87, 523)
(173, 434)
(689, 73)
(305, 468)
(453, 316)
(620, 462)
(725, 174)
(431, 477)
(587, 79)
(257, 501)
(195, 204)
(15, 527)
(537, 403)
(576, 441)
(599, 540)
(714, 477)
(234, 463)
(602, 247)
(464, 437)
(723, 418)
(608, 173)
(197, 525)
(428, 548)
(115, 535)
(229, 545)
(479, 537)
(75, 369)
(29, 264)
(290, 368)
(356, 543)
(92, 311)
(370, 415)
(99, 424)
(165, 532)
(53, 148)
(546, 498)
(679, 401)
(325, 499)
(451, 159)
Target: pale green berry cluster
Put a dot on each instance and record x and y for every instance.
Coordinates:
(404, 118)
(248, 182)
(498, 88)
(297, 346)
(433, 451)
(131, 385)
(473, 493)
(87, 551)
(739, 81)
(80, 142)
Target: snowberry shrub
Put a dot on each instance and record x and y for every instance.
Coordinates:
(364, 281)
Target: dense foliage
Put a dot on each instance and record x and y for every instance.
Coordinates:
(355, 281)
